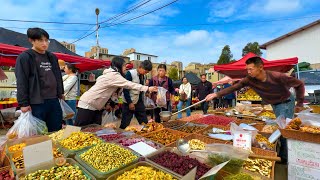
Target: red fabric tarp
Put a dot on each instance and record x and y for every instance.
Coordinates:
(9, 54)
(237, 69)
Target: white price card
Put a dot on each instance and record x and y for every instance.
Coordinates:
(142, 148)
(37, 153)
(69, 130)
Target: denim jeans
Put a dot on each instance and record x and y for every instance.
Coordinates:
(73, 105)
(286, 110)
(179, 106)
(50, 112)
(204, 107)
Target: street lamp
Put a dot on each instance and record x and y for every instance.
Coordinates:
(97, 33)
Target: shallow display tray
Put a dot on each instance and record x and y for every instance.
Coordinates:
(142, 163)
(169, 130)
(51, 164)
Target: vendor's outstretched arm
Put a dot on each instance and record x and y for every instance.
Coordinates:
(228, 90)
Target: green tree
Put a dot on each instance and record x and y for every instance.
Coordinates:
(173, 74)
(226, 55)
(252, 47)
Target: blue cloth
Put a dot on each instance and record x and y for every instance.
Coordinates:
(50, 112)
(73, 105)
(179, 106)
(231, 95)
(205, 107)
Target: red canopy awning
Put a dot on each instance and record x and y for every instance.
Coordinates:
(237, 69)
(9, 53)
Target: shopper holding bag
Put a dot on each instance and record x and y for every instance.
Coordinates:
(70, 85)
(185, 96)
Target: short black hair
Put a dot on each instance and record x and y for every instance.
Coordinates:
(37, 33)
(257, 61)
(146, 65)
(72, 67)
(203, 75)
(117, 63)
(162, 66)
(185, 77)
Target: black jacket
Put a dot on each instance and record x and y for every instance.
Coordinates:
(28, 80)
(203, 89)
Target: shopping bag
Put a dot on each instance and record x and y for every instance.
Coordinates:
(67, 112)
(27, 125)
(148, 103)
(108, 118)
(161, 100)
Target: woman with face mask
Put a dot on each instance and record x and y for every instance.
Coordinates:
(92, 102)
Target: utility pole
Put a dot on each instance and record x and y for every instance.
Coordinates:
(97, 34)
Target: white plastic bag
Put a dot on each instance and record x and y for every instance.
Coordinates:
(148, 103)
(161, 100)
(309, 119)
(67, 112)
(27, 125)
(108, 118)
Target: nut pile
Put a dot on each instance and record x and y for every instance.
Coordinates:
(106, 156)
(19, 161)
(196, 144)
(66, 172)
(173, 124)
(180, 164)
(263, 139)
(112, 137)
(164, 137)
(144, 172)
(131, 141)
(261, 166)
(310, 129)
(17, 147)
(190, 129)
(57, 136)
(79, 140)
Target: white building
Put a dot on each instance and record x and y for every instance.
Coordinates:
(142, 56)
(303, 43)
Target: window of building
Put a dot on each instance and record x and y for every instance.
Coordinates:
(149, 58)
(138, 57)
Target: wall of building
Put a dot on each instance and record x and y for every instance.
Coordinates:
(304, 45)
(142, 57)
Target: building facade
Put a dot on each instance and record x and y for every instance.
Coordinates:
(71, 47)
(103, 54)
(302, 43)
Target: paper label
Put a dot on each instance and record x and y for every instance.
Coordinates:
(37, 153)
(274, 136)
(142, 148)
(107, 131)
(69, 130)
(214, 170)
(242, 140)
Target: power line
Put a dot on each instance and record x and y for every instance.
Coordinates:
(127, 20)
(45, 22)
(85, 35)
(54, 29)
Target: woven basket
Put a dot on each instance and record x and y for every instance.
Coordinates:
(301, 136)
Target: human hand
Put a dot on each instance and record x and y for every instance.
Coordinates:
(211, 96)
(131, 107)
(153, 89)
(298, 109)
(25, 109)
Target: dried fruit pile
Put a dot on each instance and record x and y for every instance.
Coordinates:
(106, 156)
(164, 137)
(143, 172)
(180, 164)
(131, 141)
(112, 137)
(192, 117)
(215, 120)
(261, 166)
(79, 140)
(92, 129)
(5, 175)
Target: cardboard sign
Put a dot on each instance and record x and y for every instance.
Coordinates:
(69, 130)
(214, 170)
(37, 154)
(242, 140)
(142, 148)
(190, 175)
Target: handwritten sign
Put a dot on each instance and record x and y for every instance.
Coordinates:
(69, 130)
(37, 154)
(300, 172)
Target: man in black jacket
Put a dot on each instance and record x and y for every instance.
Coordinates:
(39, 81)
(203, 89)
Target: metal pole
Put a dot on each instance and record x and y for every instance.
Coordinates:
(97, 34)
(298, 75)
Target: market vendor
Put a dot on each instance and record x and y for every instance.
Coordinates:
(92, 102)
(164, 81)
(272, 87)
(133, 99)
